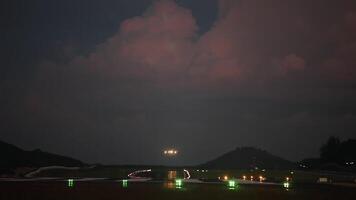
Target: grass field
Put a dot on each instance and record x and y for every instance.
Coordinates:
(148, 191)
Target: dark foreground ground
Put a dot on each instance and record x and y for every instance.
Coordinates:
(147, 191)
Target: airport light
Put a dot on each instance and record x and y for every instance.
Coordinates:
(231, 184)
(179, 183)
(244, 177)
(261, 178)
(226, 178)
(70, 183)
(287, 179)
(124, 183)
(286, 185)
(251, 178)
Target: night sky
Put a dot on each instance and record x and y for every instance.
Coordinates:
(117, 81)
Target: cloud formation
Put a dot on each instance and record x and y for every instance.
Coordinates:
(249, 40)
(163, 46)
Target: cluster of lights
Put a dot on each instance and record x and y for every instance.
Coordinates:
(286, 184)
(177, 184)
(170, 152)
(202, 170)
(230, 183)
(260, 178)
(350, 163)
(303, 166)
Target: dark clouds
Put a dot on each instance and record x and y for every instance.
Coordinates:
(275, 74)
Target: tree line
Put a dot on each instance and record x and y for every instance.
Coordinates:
(337, 151)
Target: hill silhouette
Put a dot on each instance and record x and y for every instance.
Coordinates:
(13, 157)
(249, 158)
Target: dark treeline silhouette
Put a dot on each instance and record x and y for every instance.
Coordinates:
(337, 151)
(335, 155)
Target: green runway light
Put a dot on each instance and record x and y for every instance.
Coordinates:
(286, 185)
(231, 184)
(124, 183)
(179, 183)
(70, 183)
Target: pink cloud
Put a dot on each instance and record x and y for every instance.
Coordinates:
(163, 46)
(290, 64)
(157, 45)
